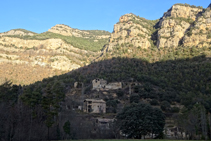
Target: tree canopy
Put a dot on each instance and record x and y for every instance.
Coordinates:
(138, 120)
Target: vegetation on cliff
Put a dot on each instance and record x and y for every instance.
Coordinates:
(78, 42)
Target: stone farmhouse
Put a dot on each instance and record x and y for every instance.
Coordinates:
(102, 84)
(94, 106)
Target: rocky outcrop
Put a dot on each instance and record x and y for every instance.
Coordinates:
(20, 32)
(28, 44)
(68, 31)
(133, 30)
(53, 53)
(182, 24)
(199, 34)
(175, 23)
(183, 11)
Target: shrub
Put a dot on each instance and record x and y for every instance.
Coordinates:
(189, 33)
(134, 98)
(175, 110)
(111, 106)
(120, 93)
(154, 102)
(209, 35)
(165, 106)
(136, 89)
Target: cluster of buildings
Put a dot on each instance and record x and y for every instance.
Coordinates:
(99, 106)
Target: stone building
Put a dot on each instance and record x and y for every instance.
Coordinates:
(175, 133)
(114, 85)
(102, 84)
(99, 83)
(94, 106)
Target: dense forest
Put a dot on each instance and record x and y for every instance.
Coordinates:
(185, 81)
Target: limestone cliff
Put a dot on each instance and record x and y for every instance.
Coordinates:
(132, 30)
(199, 34)
(175, 23)
(68, 31)
(182, 25)
(52, 55)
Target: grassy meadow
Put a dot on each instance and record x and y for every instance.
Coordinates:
(130, 140)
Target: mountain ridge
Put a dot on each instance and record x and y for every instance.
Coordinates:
(63, 48)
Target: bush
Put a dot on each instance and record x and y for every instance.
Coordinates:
(112, 103)
(120, 93)
(209, 36)
(137, 121)
(175, 110)
(134, 98)
(189, 33)
(111, 106)
(165, 106)
(154, 102)
(136, 89)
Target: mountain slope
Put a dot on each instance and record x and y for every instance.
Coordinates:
(62, 48)
(53, 52)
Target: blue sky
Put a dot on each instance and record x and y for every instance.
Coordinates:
(40, 15)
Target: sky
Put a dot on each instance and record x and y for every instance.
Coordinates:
(40, 15)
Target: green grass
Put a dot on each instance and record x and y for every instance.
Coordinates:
(129, 140)
(97, 32)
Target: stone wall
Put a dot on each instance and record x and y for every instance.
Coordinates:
(102, 84)
(94, 106)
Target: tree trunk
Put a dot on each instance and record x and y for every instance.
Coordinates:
(30, 126)
(203, 123)
(48, 134)
(209, 120)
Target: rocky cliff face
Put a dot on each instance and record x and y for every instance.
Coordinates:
(68, 31)
(132, 30)
(54, 53)
(50, 56)
(199, 34)
(175, 23)
(181, 25)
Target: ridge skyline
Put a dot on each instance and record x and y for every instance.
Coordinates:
(100, 19)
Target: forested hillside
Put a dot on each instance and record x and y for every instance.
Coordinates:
(182, 81)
